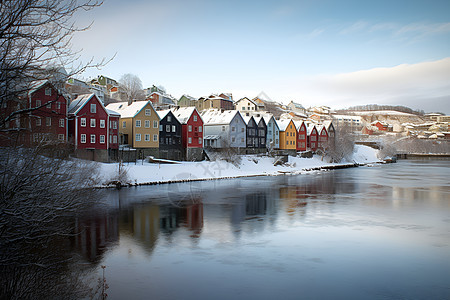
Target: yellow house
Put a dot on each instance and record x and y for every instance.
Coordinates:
(288, 134)
(138, 126)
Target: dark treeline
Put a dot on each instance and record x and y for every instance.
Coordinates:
(374, 107)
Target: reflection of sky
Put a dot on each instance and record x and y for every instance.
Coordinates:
(341, 234)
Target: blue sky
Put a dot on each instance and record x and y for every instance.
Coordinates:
(336, 53)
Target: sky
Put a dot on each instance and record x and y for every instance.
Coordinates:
(334, 53)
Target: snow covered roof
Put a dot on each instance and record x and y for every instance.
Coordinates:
(249, 100)
(382, 112)
(310, 128)
(211, 137)
(79, 102)
(298, 124)
(188, 97)
(163, 113)
(183, 113)
(36, 85)
(112, 113)
(128, 111)
(283, 124)
(218, 117)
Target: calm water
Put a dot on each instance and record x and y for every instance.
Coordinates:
(380, 232)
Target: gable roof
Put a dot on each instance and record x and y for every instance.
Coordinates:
(79, 102)
(283, 124)
(163, 113)
(184, 113)
(298, 124)
(249, 100)
(328, 124)
(128, 111)
(218, 117)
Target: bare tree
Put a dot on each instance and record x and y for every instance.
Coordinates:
(131, 85)
(342, 146)
(35, 42)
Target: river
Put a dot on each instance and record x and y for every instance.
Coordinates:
(374, 232)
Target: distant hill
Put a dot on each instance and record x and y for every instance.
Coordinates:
(376, 107)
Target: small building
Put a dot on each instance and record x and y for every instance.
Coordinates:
(139, 126)
(322, 137)
(382, 126)
(187, 101)
(246, 105)
(262, 132)
(192, 132)
(297, 107)
(312, 137)
(224, 129)
(288, 134)
(170, 146)
(252, 132)
(273, 132)
(331, 133)
(301, 135)
(221, 101)
(89, 129)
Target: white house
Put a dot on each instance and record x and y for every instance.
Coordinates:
(246, 105)
(224, 129)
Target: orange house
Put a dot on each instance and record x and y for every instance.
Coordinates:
(288, 134)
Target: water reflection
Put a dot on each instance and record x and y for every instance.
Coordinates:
(323, 227)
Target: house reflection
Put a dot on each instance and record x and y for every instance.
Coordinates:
(93, 235)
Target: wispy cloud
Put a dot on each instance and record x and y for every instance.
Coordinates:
(355, 27)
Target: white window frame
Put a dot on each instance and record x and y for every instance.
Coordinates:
(148, 112)
(102, 139)
(174, 128)
(155, 124)
(147, 123)
(48, 92)
(61, 137)
(48, 121)
(189, 140)
(155, 137)
(200, 128)
(83, 138)
(190, 128)
(92, 121)
(195, 118)
(138, 123)
(93, 108)
(138, 137)
(147, 137)
(102, 123)
(124, 124)
(114, 124)
(115, 139)
(92, 138)
(167, 128)
(38, 121)
(38, 103)
(83, 122)
(61, 123)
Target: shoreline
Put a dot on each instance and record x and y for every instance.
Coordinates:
(116, 185)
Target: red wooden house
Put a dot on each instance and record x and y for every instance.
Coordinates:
(382, 126)
(47, 121)
(89, 128)
(312, 138)
(322, 135)
(302, 134)
(192, 131)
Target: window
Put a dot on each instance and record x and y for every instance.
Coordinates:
(38, 103)
(93, 108)
(147, 137)
(167, 128)
(160, 128)
(61, 137)
(58, 105)
(48, 92)
(242, 129)
(38, 121)
(49, 105)
(195, 118)
(233, 129)
(92, 122)
(124, 124)
(138, 137)
(155, 124)
(92, 138)
(83, 138)
(223, 128)
(147, 124)
(61, 122)
(169, 118)
(155, 137)
(199, 140)
(83, 122)
(242, 140)
(102, 139)
(287, 142)
(115, 139)
(243, 108)
(110, 139)
(148, 112)
(190, 128)
(200, 128)
(233, 139)
(138, 123)
(102, 123)
(190, 140)
(48, 121)
(174, 128)
(114, 124)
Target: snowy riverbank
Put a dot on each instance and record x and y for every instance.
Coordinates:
(250, 165)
